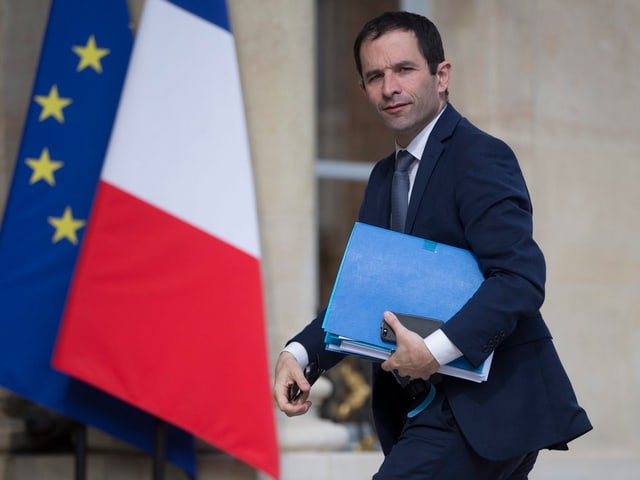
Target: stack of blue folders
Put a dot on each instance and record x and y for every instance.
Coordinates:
(386, 270)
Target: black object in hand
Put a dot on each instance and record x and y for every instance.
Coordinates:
(311, 372)
(423, 326)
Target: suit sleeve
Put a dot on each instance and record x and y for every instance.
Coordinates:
(312, 339)
(496, 216)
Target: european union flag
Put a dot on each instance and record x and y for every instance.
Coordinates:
(75, 96)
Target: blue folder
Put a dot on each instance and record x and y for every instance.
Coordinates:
(386, 270)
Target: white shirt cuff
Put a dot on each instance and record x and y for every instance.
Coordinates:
(297, 350)
(442, 349)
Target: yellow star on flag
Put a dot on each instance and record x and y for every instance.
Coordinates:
(90, 55)
(66, 226)
(52, 105)
(43, 168)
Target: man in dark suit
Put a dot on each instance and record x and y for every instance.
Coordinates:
(466, 190)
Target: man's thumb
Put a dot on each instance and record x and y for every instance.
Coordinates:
(391, 319)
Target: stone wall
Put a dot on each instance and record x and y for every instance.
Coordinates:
(558, 82)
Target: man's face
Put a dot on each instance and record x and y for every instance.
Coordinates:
(397, 82)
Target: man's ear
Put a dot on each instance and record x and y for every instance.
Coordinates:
(444, 74)
(363, 89)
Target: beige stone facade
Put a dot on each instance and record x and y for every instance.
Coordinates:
(557, 80)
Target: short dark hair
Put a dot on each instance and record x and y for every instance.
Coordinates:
(426, 33)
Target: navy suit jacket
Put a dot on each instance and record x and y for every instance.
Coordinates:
(469, 192)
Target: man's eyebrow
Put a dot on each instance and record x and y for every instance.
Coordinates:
(395, 66)
(404, 63)
(373, 71)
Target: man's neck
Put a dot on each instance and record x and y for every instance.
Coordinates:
(417, 144)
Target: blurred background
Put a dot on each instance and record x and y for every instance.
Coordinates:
(556, 79)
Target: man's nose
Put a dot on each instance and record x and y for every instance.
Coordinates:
(390, 85)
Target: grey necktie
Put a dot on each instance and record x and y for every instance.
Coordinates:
(400, 190)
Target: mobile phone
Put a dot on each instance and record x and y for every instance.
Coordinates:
(423, 326)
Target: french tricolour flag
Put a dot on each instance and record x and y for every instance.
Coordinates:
(165, 309)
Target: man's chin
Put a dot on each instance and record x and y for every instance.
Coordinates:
(396, 125)
(400, 128)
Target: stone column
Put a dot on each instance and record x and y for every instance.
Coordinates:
(275, 42)
(276, 50)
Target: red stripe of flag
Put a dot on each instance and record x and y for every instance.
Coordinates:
(170, 318)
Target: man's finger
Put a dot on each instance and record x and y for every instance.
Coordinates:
(391, 319)
(394, 323)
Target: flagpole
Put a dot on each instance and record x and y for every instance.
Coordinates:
(81, 451)
(159, 448)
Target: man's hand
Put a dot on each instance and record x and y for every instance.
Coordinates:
(288, 372)
(412, 358)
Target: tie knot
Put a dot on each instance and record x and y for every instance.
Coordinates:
(403, 161)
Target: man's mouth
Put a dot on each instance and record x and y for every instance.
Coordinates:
(395, 108)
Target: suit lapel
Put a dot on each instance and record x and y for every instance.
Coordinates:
(433, 151)
(382, 208)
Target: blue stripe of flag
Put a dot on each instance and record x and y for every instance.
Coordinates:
(214, 11)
